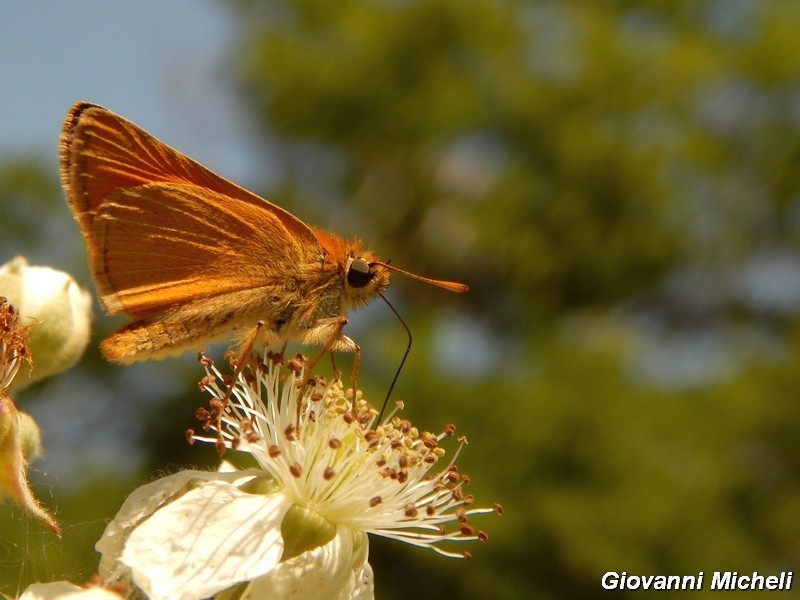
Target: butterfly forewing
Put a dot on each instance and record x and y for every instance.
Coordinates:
(102, 152)
(166, 244)
(162, 229)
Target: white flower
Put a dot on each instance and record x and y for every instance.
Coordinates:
(64, 590)
(296, 526)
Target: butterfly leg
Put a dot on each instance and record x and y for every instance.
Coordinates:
(328, 346)
(354, 374)
(243, 358)
(336, 372)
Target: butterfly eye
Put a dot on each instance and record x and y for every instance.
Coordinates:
(358, 274)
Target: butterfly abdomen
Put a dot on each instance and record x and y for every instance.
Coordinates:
(143, 341)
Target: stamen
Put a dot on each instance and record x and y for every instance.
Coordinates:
(330, 453)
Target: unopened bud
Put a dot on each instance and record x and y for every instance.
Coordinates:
(58, 311)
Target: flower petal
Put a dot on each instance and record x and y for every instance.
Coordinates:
(144, 502)
(64, 590)
(207, 540)
(337, 570)
(363, 584)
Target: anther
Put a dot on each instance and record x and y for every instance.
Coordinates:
(430, 443)
(204, 360)
(275, 357)
(296, 364)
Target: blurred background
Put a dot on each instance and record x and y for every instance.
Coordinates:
(618, 183)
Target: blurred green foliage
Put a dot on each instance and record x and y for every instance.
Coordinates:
(617, 182)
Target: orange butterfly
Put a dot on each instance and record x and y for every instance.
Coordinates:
(192, 257)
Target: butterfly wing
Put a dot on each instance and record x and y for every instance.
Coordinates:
(165, 244)
(162, 229)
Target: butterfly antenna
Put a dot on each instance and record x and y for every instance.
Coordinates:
(451, 286)
(402, 362)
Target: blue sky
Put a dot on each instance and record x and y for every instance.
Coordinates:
(163, 65)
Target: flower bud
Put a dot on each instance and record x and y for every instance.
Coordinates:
(30, 440)
(57, 307)
(19, 437)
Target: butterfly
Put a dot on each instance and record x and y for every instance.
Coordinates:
(192, 258)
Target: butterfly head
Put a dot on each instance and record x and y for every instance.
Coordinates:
(365, 278)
